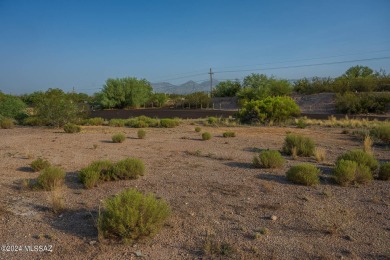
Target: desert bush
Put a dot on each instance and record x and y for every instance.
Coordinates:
(212, 120)
(206, 136)
(198, 129)
(384, 171)
(268, 159)
(301, 123)
(118, 138)
(94, 121)
(117, 122)
(141, 134)
(131, 215)
(91, 175)
(129, 168)
(305, 174)
(151, 122)
(137, 123)
(51, 178)
(304, 145)
(382, 132)
(229, 134)
(270, 109)
(33, 121)
(6, 123)
(39, 164)
(169, 122)
(358, 103)
(347, 172)
(360, 157)
(72, 128)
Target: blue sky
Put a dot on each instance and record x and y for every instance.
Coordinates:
(66, 44)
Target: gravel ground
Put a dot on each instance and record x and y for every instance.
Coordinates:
(214, 192)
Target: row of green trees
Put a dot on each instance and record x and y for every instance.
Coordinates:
(257, 86)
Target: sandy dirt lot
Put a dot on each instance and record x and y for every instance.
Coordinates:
(217, 196)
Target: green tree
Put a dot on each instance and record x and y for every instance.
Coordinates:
(56, 108)
(125, 92)
(158, 99)
(227, 89)
(198, 99)
(359, 72)
(269, 109)
(11, 106)
(259, 86)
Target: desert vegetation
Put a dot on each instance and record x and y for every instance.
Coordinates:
(244, 185)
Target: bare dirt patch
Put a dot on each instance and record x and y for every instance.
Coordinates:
(217, 196)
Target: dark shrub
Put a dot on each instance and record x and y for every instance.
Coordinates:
(382, 133)
(6, 123)
(305, 174)
(72, 128)
(268, 159)
(229, 134)
(198, 129)
(384, 172)
(131, 215)
(304, 145)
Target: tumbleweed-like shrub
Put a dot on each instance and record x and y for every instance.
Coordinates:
(206, 136)
(304, 174)
(131, 215)
(268, 159)
(118, 138)
(349, 172)
(129, 168)
(360, 157)
(51, 178)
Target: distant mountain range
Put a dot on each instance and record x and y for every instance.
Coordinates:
(185, 88)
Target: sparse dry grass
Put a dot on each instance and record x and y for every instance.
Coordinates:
(320, 154)
(367, 144)
(56, 200)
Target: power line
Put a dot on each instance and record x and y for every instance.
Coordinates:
(307, 59)
(305, 65)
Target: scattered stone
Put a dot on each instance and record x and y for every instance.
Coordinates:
(348, 237)
(92, 242)
(273, 217)
(138, 254)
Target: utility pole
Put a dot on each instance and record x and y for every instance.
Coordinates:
(211, 82)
